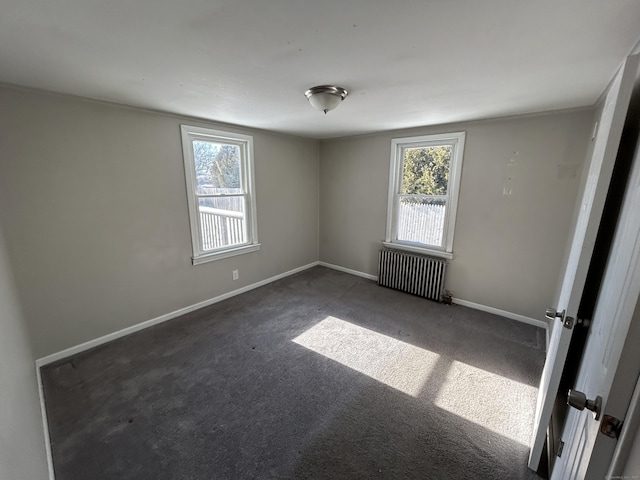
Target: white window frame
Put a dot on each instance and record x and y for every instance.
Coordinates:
(398, 145)
(245, 142)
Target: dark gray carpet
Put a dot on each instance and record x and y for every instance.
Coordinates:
(319, 375)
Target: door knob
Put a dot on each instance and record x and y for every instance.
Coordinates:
(552, 314)
(579, 400)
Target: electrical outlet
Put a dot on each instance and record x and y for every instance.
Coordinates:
(235, 274)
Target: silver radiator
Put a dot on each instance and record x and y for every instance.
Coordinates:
(412, 273)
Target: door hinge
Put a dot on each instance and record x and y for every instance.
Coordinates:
(568, 322)
(610, 426)
(560, 448)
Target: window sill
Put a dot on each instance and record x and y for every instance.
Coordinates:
(424, 251)
(212, 257)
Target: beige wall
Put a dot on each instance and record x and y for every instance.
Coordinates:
(507, 248)
(22, 453)
(93, 205)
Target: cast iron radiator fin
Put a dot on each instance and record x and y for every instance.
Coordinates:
(412, 273)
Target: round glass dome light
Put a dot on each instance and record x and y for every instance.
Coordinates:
(325, 97)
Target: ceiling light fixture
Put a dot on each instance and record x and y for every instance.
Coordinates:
(325, 97)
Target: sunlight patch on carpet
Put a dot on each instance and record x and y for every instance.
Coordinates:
(495, 402)
(393, 362)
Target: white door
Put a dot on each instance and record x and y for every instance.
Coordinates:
(614, 309)
(600, 167)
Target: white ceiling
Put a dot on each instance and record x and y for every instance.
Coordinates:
(405, 63)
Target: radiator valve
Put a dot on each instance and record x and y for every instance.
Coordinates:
(447, 297)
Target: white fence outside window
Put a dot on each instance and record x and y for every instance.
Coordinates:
(422, 221)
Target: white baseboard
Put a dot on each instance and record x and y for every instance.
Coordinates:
(162, 318)
(502, 313)
(458, 301)
(169, 316)
(348, 270)
(40, 362)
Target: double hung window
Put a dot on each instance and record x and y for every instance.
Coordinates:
(424, 183)
(220, 188)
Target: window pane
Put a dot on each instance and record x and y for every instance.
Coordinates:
(222, 222)
(421, 219)
(217, 167)
(426, 170)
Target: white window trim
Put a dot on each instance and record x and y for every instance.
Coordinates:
(453, 189)
(245, 142)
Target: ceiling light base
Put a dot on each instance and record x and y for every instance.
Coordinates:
(325, 97)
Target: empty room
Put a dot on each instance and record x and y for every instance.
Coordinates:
(295, 240)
